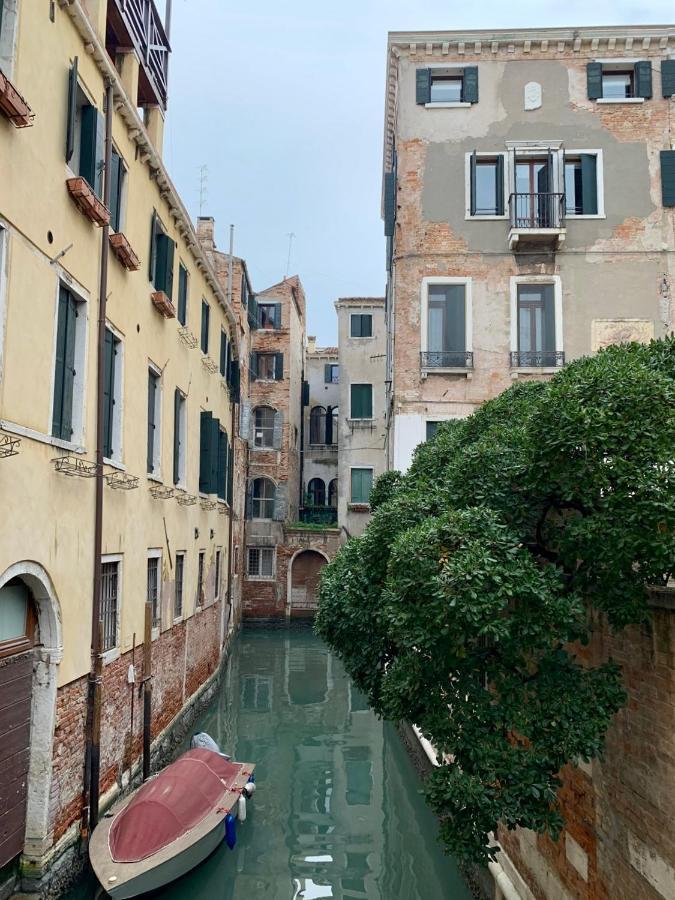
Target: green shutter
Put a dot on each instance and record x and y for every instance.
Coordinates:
(668, 77)
(548, 298)
(152, 396)
(499, 176)
(213, 457)
(230, 471)
(278, 366)
(361, 401)
(221, 464)
(327, 374)
(470, 84)
(108, 392)
(472, 169)
(64, 368)
(362, 483)
(168, 270)
(668, 177)
(115, 190)
(204, 342)
(423, 86)
(594, 80)
(389, 203)
(153, 247)
(205, 420)
(177, 398)
(589, 184)
(99, 162)
(182, 294)
(72, 111)
(643, 79)
(305, 393)
(366, 325)
(253, 366)
(223, 353)
(88, 133)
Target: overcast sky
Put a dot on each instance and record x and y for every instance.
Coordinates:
(283, 103)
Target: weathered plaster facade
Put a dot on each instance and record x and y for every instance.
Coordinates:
(320, 432)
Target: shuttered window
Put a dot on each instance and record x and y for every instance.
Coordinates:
(181, 312)
(486, 185)
(117, 177)
(361, 401)
(64, 367)
(362, 484)
(222, 464)
(162, 250)
(581, 185)
(619, 81)
(668, 77)
(224, 354)
(269, 315)
(361, 325)
(92, 147)
(668, 177)
(111, 398)
(178, 437)
(154, 411)
(446, 85)
(206, 313)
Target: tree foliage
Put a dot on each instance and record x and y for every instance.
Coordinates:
(463, 606)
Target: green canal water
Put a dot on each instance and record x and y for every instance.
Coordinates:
(337, 811)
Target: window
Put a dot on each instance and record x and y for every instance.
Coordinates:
(85, 135)
(244, 290)
(486, 184)
(432, 428)
(110, 595)
(581, 184)
(8, 24)
(361, 401)
(216, 589)
(206, 314)
(261, 562)
(178, 594)
(179, 443)
(182, 294)
(617, 84)
(225, 353)
(618, 81)
(333, 493)
(362, 484)
(269, 315)
(316, 492)
(118, 174)
(446, 324)
(264, 427)
(17, 616)
(161, 257)
(154, 422)
(317, 425)
(536, 329)
(200, 579)
(361, 325)
(331, 373)
(267, 366)
(210, 454)
(445, 85)
(112, 397)
(68, 366)
(263, 496)
(153, 593)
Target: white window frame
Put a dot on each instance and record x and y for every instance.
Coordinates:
(556, 281)
(156, 474)
(116, 461)
(600, 183)
(485, 154)
(467, 281)
(271, 577)
(359, 502)
(115, 652)
(78, 413)
(156, 553)
(183, 436)
(443, 68)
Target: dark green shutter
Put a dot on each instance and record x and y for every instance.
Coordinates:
(72, 110)
(389, 203)
(182, 294)
(327, 373)
(594, 80)
(668, 177)
(470, 84)
(278, 366)
(423, 86)
(305, 393)
(589, 184)
(153, 246)
(230, 471)
(223, 353)
(161, 249)
(168, 267)
(221, 464)
(108, 392)
(177, 398)
(152, 396)
(668, 77)
(499, 195)
(366, 325)
(548, 299)
(205, 420)
(88, 131)
(277, 315)
(235, 381)
(204, 343)
(213, 457)
(100, 155)
(355, 327)
(64, 370)
(115, 190)
(329, 425)
(643, 79)
(472, 169)
(362, 401)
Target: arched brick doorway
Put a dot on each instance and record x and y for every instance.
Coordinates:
(305, 575)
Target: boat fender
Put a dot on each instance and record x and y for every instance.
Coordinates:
(241, 808)
(230, 831)
(251, 778)
(248, 790)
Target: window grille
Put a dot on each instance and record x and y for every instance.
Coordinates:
(109, 603)
(153, 590)
(178, 598)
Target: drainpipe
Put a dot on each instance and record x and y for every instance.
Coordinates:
(93, 734)
(230, 537)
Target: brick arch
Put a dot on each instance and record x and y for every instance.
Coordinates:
(303, 581)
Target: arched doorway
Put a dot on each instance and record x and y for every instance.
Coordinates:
(30, 651)
(305, 573)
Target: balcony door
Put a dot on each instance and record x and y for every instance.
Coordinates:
(446, 325)
(534, 197)
(536, 325)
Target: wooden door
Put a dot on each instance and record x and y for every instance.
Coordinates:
(16, 681)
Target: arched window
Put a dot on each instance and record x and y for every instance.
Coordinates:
(317, 425)
(17, 618)
(316, 492)
(262, 498)
(333, 493)
(264, 426)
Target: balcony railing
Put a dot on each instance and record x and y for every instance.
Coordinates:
(540, 210)
(447, 359)
(545, 359)
(137, 23)
(318, 515)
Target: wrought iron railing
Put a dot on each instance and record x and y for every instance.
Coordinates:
(447, 359)
(540, 210)
(318, 515)
(537, 358)
(143, 22)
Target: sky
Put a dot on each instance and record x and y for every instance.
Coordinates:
(284, 106)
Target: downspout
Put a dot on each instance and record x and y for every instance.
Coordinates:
(230, 538)
(93, 735)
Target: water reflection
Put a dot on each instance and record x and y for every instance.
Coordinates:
(337, 812)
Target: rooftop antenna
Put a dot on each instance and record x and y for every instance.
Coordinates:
(290, 236)
(203, 182)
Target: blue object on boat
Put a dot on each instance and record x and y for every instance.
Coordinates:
(230, 831)
(251, 778)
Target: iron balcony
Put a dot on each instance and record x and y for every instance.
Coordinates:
(536, 218)
(447, 359)
(545, 359)
(318, 515)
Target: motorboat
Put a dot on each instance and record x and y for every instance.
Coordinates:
(172, 822)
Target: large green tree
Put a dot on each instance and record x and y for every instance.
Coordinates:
(514, 533)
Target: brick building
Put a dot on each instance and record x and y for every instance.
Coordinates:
(529, 205)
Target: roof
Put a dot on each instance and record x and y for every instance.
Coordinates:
(360, 301)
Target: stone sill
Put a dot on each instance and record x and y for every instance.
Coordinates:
(610, 100)
(661, 597)
(439, 370)
(359, 507)
(455, 105)
(535, 370)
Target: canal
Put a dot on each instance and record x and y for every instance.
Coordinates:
(337, 812)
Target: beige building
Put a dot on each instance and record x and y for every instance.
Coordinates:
(361, 440)
(320, 432)
(71, 138)
(529, 185)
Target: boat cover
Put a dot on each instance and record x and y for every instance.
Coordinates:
(169, 805)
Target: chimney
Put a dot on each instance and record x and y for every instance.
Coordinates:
(205, 228)
(311, 344)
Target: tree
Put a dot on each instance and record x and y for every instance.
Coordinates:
(483, 569)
